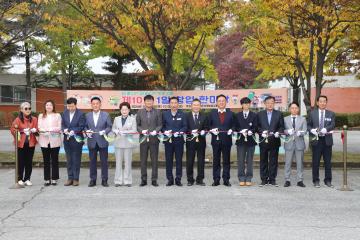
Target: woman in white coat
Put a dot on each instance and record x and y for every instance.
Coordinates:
(123, 125)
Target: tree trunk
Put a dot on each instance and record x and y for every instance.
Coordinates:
(64, 80)
(320, 60)
(28, 73)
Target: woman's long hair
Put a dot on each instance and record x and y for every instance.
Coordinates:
(21, 115)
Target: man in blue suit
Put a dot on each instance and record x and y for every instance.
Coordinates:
(174, 125)
(72, 124)
(221, 123)
(98, 123)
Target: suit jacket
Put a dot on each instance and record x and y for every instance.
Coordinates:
(20, 127)
(77, 123)
(249, 123)
(176, 124)
(300, 125)
(151, 124)
(229, 123)
(50, 123)
(329, 124)
(128, 127)
(103, 123)
(201, 125)
(276, 125)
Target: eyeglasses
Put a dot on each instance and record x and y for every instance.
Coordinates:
(27, 109)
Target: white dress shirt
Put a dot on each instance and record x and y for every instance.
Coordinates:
(96, 117)
(72, 115)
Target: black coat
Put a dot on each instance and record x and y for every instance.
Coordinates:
(249, 123)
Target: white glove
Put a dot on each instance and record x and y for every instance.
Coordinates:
(323, 131)
(314, 131)
(299, 133)
(243, 131)
(71, 133)
(215, 131)
(145, 132)
(202, 133)
(176, 134)
(264, 134)
(116, 131)
(153, 133)
(27, 131)
(194, 131)
(168, 133)
(66, 131)
(276, 134)
(33, 130)
(290, 131)
(230, 132)
(102, 132)
(249, 133)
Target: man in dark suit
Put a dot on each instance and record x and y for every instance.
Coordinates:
(221, 123)
(174, 126)
(72, 124)
(270, 125)
(246, 125)
(320, 122)
(197, 125)
(98, 123)
(149, 123)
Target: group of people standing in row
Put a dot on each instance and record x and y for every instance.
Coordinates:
(180, 128)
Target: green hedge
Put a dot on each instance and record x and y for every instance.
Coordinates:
(349, 119)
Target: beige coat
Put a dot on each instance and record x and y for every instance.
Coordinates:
(129, 127)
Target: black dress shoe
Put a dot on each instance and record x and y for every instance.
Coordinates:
(190, 183)
(287, 184)
(104, 183)
(274, 184)
(143, 183)
(300, 184)
(317, 184)
(170, 183)
(200, 183)
(154, 183)
(92, 183)
(328, 184)
(178, 183)
(227, 183)
(215, 183)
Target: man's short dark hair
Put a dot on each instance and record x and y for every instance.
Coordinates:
(71, 100)
(321, 96)
(294, 103)
(245, 100)
(125, 104)
(95, 98)
(219, 96)
(148, 97)
(173, 97)
(269, 97)
(196, 100)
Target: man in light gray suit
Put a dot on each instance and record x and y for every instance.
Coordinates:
(149, 123)
(295, 128)
(98, 123)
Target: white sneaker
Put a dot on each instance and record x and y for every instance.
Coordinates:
(28, 183)
(20, 182)
(53, 182)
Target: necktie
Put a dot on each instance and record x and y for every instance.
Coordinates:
(293, 122)
(269, 117)
(196, 120)
(245, 115)
(321, 124)
(222, 117)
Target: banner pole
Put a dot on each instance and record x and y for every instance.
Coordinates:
(345, 186)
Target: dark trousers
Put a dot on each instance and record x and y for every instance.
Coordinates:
(73, 151)
(25, 158)
(51, 163)
(245, 157)
(103, 152)
(192, 149)
(321, 150)
(145, 148)
(175, 148)
(268, 163)
(218, 150)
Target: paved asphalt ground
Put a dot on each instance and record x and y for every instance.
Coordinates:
(172, 213)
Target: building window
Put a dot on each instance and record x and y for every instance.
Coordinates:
(12, 94)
